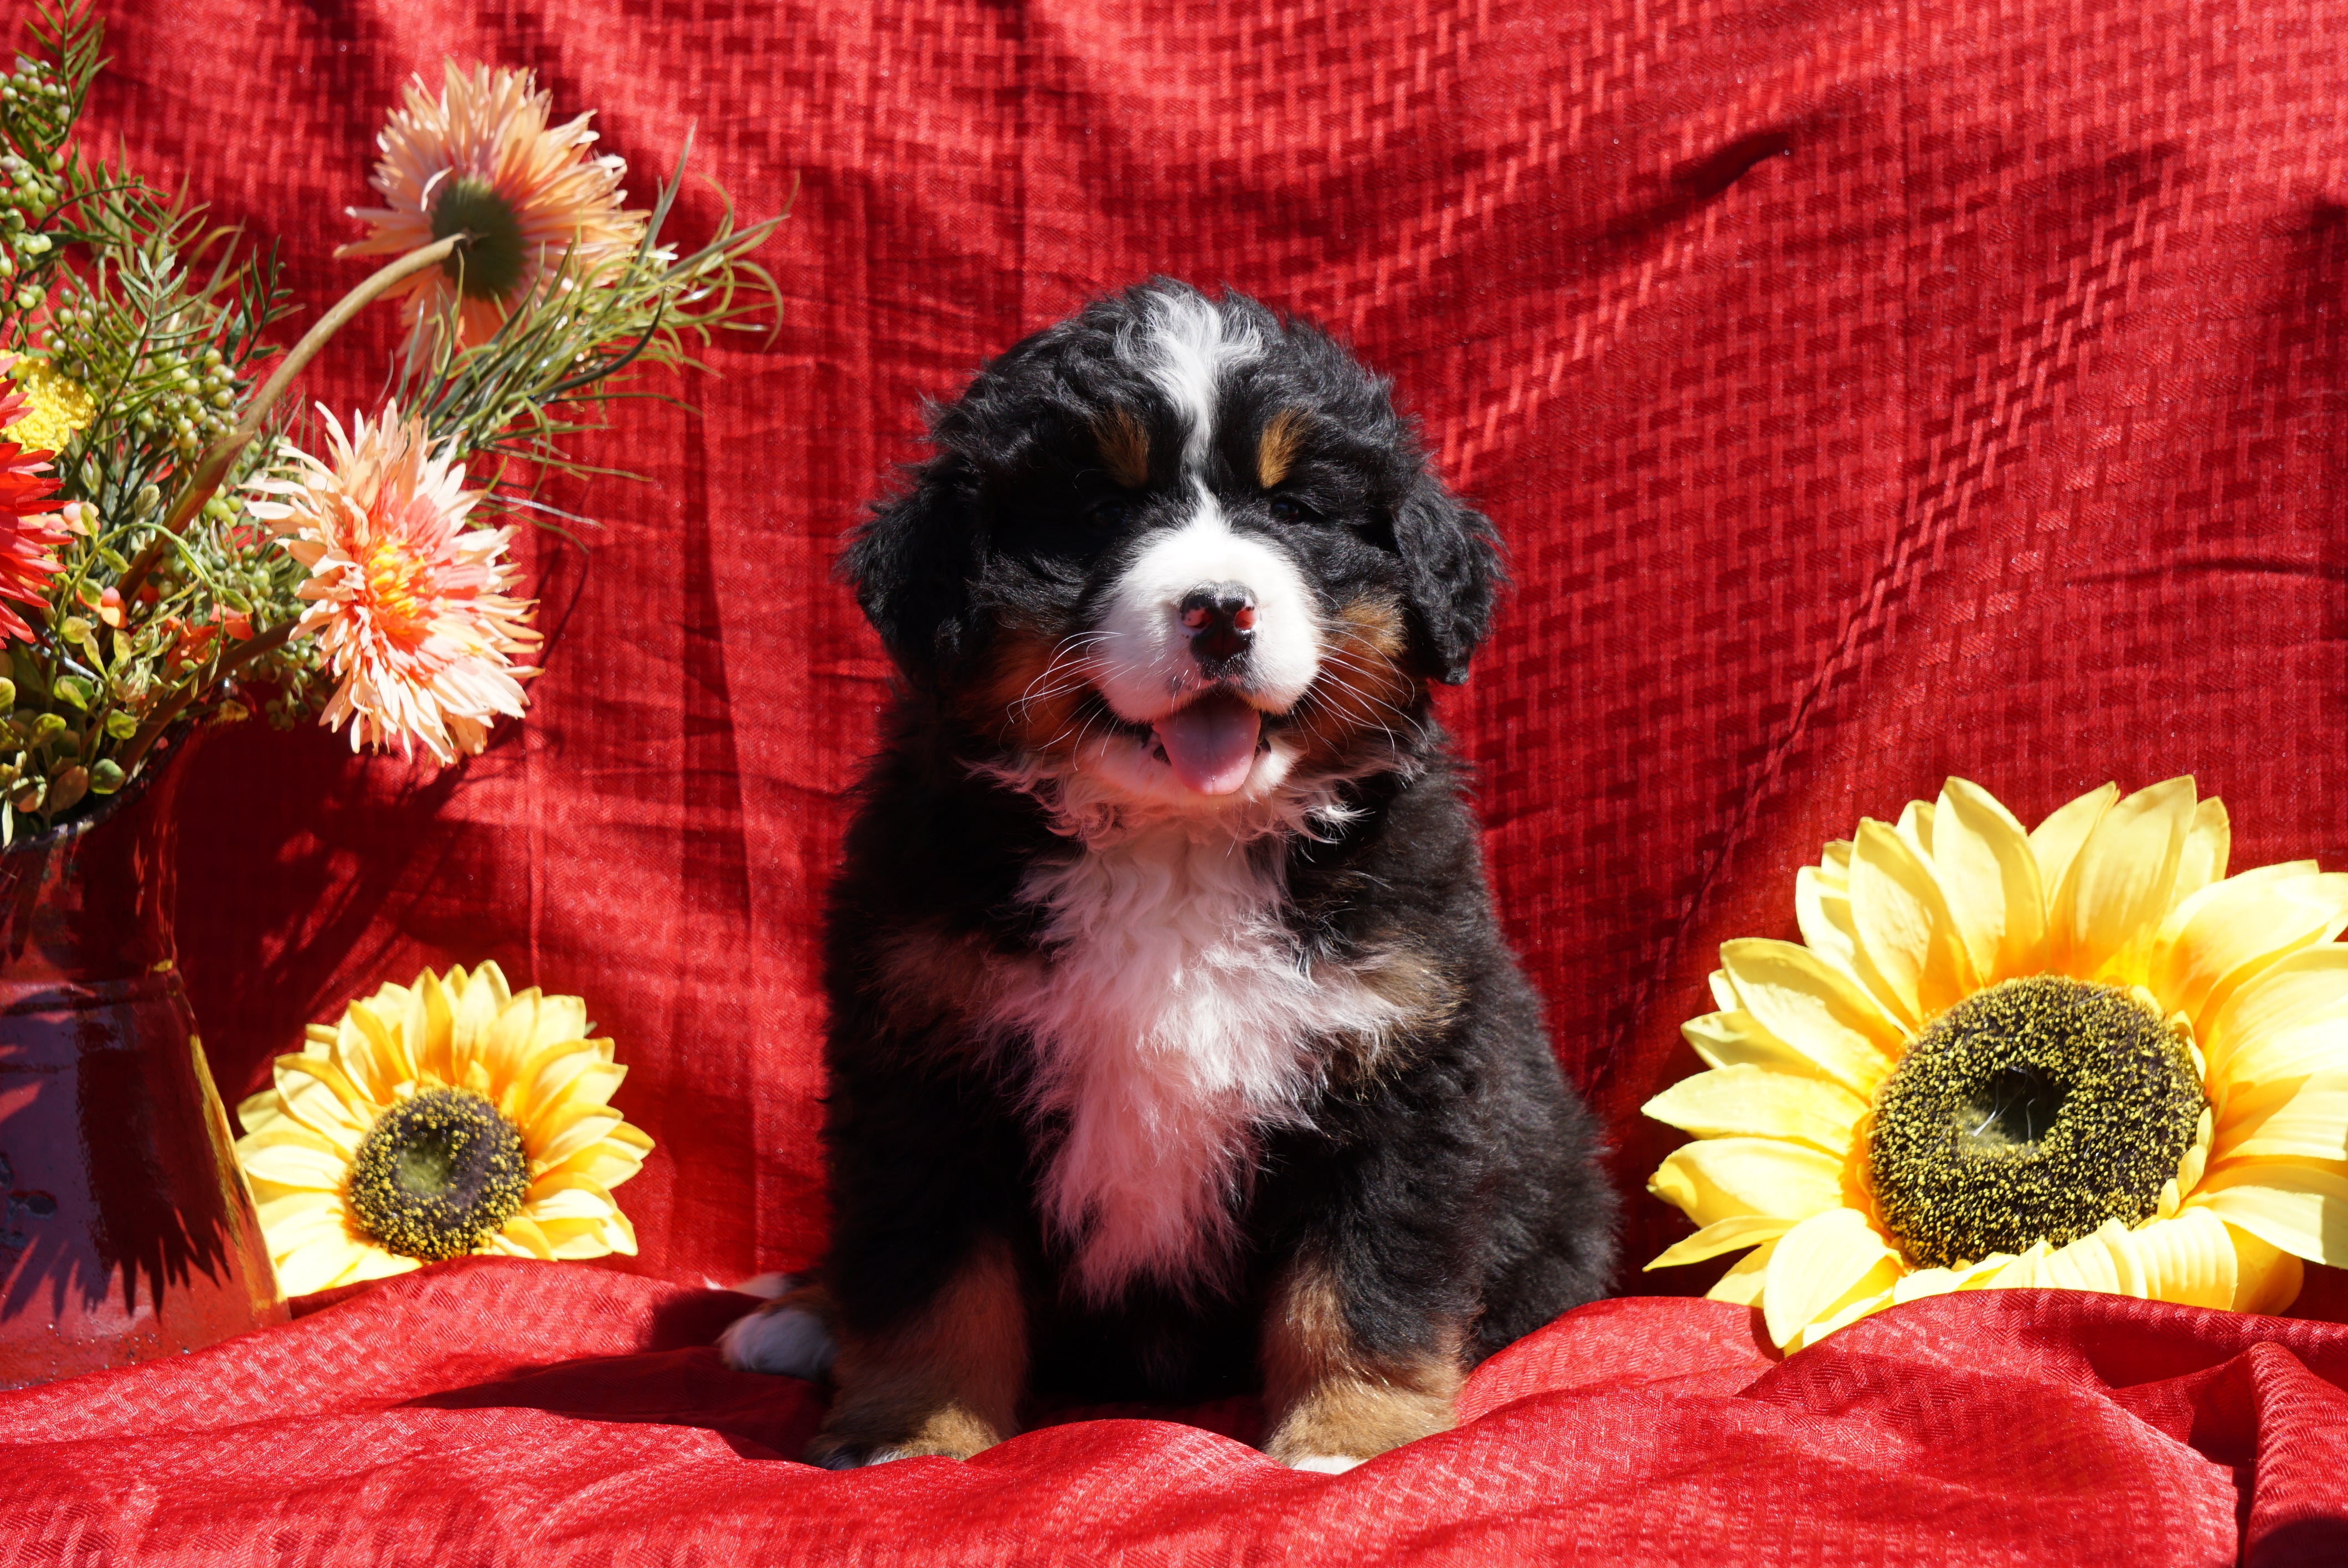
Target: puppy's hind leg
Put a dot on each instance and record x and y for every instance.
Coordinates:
(1334, 1402)
(946, 1380)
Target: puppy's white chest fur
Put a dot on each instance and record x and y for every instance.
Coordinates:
(1175, 1019)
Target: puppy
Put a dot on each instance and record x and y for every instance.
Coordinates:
(1173, 1046)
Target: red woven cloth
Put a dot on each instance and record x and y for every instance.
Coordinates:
(1868, 393)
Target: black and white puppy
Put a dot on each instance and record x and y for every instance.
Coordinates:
(1173, 1045)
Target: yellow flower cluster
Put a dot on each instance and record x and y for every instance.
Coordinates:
(55, 407)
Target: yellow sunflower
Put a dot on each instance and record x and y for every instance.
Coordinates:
(448, 1117)
(2081, 1057)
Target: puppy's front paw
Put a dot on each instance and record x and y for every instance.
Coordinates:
(782, 1338)
(1324, 1465)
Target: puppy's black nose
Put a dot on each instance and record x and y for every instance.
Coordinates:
(1221, 619)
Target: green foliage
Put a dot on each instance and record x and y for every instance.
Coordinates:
(166, 612)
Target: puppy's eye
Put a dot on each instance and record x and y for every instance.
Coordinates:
(1113, 513)
(1288, 510)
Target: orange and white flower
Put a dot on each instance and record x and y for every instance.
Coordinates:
(481, 159)
(409, 605)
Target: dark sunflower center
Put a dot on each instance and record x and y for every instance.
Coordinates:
(2034, 1110)
(436, 1176)
(490, 266)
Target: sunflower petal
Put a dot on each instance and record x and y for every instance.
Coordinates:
(2311, 1123)
(259, 1112)
(2207, 843)
(2303, 1209)
(572, 1129)
(567, 1197)
(2189, 1259)
(294, 1156)
(316, 1094)
(436, 1050)
(370, 1054)
(2055, 842)
(374, 1263)
(565, 1084)
(572, 1239)
(1923, 1282)
(513, 1035)
(1724, 995)
(2232, 930)
(1904, 926)
(1720, 1235)
(315, 1264)
(1818, 1265)
(1981, 858)
(611, 1160)
(1762, 1101)
(1731, 1039)
(1721, 1178)
(620, 1234)
(1860, 1301)
(1746, 1278)
(2267, 1278)
(521, 1237)
(1823, 912)
(1815, 1007)
(478, 1004)
(2305, 992)
(2116, 891)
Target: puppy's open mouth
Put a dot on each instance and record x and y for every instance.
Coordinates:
(1209, 744)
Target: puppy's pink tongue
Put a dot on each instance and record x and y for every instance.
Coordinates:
(1210, 745)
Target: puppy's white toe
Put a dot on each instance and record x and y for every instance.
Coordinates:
(1325, 1464)
(766, 1287)
(785, 1343)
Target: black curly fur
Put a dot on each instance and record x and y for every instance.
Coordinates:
(1454, 1181)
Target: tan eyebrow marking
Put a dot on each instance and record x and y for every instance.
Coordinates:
(1124, 448)
(1275, 451)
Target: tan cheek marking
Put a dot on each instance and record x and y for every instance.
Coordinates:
(1363, 688)
(1124, 448)
(1324, 1397)
(1275, 450)
(1028, 696)
(947, 1383)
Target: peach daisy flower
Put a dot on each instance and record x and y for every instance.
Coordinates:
(483, 159)
(30, 531)
(408, 605)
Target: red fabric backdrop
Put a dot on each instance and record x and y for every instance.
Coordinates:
(1868, 392)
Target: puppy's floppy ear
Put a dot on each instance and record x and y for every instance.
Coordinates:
(1451, 574)
(912, 563)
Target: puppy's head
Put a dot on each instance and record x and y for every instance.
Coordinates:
(1181, 549)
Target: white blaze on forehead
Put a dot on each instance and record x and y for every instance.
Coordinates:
(1191, 347)
(1144, 661)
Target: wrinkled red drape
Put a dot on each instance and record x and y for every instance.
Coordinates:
(1868, 392)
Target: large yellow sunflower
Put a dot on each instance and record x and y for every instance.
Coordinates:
(2079, 1057)
(448, 1117)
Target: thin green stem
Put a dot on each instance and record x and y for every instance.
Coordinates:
(216, 462)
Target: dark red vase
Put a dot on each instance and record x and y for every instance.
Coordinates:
(128, 1232)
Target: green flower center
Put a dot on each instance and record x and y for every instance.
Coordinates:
(2034, 1110)
(488, 267)
(439, 1174)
